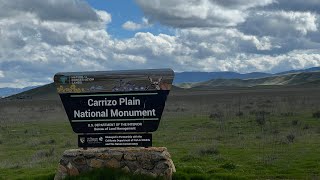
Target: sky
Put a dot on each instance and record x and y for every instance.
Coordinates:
(39, 38)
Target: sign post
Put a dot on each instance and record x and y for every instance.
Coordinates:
(114, 108)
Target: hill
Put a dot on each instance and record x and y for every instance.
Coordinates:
(310, 79)
(4, 92)
(294, 79)
(47, 92)
(186, 77)
(204, 76)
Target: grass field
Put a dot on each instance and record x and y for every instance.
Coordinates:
(247, 133)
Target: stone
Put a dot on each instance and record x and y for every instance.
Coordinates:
(152, 161)
(172, 166)
(103, 156)
(133, 165)
(129, 157)
(64, 161)
(80, 160)
(72, 171)
(113, 163)
(126, 169)
(62, 169)
(95, 163)
(116, 155)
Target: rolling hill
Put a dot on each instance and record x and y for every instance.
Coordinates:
(192, 77)
(293, 79)
(10, 91)
(304, 79)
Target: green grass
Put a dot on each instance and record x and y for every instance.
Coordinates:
(200, 148)
(226, 146)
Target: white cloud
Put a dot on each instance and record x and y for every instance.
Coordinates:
(230, 35)
(132, 26)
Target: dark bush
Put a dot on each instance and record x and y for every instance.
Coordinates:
(51, 141)
(305, 127)
(261, 117)
(212, 150)
(239, 114)
(216, 115)
(228, 166)
(294, 122)
(290, 138)
(287, 114)
(316, 114)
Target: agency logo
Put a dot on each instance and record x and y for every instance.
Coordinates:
(100, 138)
(63, 79)
(82, 140)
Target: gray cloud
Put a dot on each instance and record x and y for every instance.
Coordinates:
(57, 10)
(218, 35)
(191, 13)
(295, 5)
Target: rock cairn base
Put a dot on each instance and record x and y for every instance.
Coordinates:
(153, 161)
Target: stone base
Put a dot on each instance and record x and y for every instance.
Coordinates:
(153, 161)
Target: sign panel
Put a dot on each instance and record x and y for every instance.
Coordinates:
(115, 140)
(116, 101)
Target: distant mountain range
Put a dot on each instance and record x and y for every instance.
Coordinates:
(302, 79)
(4, 92)
(184, 77)
(204, 79)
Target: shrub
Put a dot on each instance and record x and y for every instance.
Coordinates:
(51, 141)
(212, 150)
(294, 122)
(43, 154)
(228, 166)
(316, 114)
(305, 127)
(239, 114)
(260, 120)
(188, 158)
(290, 138)
(216, 115)
(261, 117)
(287, 114)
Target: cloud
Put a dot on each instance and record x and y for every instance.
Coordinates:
(209, 35)
(199, 13)
(132, 26)
(53, 10)
(280, 23)
(295, 5)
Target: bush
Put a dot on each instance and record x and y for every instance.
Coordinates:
(261, 117)
(316, 114)
(212, 150)
(290, 138)
(216, 115)
(188, 158)
(51, 141)
(228, 166)
(43, 154)
(239, 114)
(287, 114)
(294, 122)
